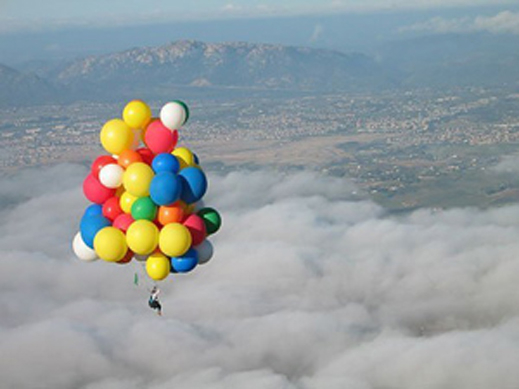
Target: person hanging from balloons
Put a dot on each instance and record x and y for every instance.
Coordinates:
(146, 197)
(153, 301)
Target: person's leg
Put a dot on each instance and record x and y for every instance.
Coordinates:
(159, 308)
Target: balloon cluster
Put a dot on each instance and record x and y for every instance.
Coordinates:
(147, 199)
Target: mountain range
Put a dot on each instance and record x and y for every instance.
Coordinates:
(223, 68)
(17, 88)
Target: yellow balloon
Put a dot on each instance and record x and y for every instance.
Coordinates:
(116, 136)
(110, 244)
(158, 266)
(142, 237)
(137, 179)
(119, 191)
(174, 239)
(137, 114)
(185, 157)
(126, 201)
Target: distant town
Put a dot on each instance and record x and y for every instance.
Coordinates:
(405, 149)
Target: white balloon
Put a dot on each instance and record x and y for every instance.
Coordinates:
(82, 251)
(205, 252)
(173, 115)
(140, 258)
(111, 175)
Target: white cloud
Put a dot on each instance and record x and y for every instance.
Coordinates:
(24, 16)
(317, 33)
(503, 22)
(309, 288)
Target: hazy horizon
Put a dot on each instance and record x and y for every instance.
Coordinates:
(347, 31)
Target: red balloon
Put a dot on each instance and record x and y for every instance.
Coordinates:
(100, 162)
(123, 221)
(127, 258)
(112, 208)
(159, 138)
(196, 226)
(146, 155)
(95, 191)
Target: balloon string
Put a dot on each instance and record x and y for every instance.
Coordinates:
(147, 284)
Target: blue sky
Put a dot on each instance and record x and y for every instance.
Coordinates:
(23, 15)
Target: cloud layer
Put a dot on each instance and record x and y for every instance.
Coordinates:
(30, 15)
(310, 287)
(505, 22)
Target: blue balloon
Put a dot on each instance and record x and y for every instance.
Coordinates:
(165, 162)
(194, 184)
(90, 226)
(184, 263)
(165, 188)
(93, 209)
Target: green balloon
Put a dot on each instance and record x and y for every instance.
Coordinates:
(144, 208)
(185, 108)
(211, 218)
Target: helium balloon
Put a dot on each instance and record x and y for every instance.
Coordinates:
(147, 200)
(127, 157)
(158, 266)
(82, 251)
(165, 162)
(165, 188)
(137, 179)
(95, 191)
(119, 191)
(205, 252)
(111, 208)
(100, 162)
(186, 109)
(173, 115)
(111, 175)
(142, 237)
(196, 226)
(174, 239)
(170, 214)
(93, 209)
(141, 258)
(89, 227)
(194, 184)
(160, 139)
(211, 218)
(185, 157)
(116, 136)
(126, 202)
(137, 114)
(127, 258)
(185, 263)
(123, 221)
(110, 244)
(146, 155)
(144, 208)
